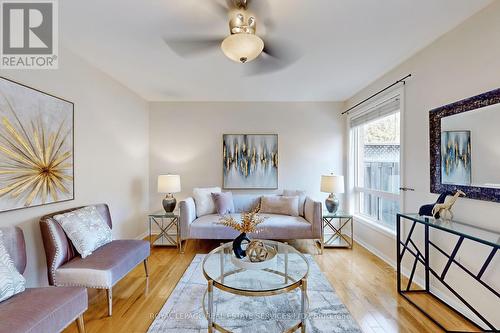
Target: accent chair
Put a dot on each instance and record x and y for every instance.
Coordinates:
(102, 269)
(40, 310)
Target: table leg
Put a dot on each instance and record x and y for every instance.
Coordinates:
(322, 234)
(162, 232)
(179, 244)
(221, 259)
(398, 252)
(210, 305)
(426, 259)
(352, 233)
(286, 263)
(303, 289)
(150, 244)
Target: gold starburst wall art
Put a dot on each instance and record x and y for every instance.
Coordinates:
(36, 147)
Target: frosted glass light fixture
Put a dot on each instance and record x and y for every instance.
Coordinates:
(242, 47)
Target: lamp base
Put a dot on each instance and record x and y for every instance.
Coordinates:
(169, 203)
(332, 203)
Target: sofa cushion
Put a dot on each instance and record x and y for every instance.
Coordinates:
(11, 281)
(302, 198)
(42, 310)
(86, 229)
(280, 205)
(106, 266)
(223, 203)
(274, 227)
(245, 202)
(203, 199)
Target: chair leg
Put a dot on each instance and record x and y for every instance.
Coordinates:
(146, 267)
(109, 292)
(80, 324)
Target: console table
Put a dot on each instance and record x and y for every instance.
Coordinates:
(408, 246)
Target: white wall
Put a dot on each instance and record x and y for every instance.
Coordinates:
(111, 152)
(186, 138)
(462, 63)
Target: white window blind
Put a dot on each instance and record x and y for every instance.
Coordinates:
(384, 109)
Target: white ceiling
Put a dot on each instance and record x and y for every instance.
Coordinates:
(346, 44)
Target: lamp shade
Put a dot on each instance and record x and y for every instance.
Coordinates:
(332, 184)
(169, 183)
(242, 47)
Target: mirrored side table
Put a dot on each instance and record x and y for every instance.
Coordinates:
(169, 233)
(337, 230)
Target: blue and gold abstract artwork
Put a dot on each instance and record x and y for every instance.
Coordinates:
(456, 158)
(250, 161)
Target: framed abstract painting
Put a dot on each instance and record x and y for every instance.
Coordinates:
(456, 158)
(36, 147)
(250, 161)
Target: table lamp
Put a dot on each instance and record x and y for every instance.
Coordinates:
(169, 184)
(332, 184)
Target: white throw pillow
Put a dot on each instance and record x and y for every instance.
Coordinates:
(11, 281)
(203, 200)
(302, 198)
(279, 205)
(86, 229)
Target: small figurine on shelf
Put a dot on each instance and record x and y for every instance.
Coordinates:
(443, 210)
(426, 210)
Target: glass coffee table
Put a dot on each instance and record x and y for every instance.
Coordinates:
(287, 272)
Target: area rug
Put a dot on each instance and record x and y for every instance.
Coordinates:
(183, 312)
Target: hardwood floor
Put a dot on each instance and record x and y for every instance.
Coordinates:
(364, 283)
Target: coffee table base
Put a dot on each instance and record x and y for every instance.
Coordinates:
(209, 313)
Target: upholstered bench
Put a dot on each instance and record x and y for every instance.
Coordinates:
(102, 269)
(40, 310)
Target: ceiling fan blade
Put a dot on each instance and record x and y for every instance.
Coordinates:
(277, 55)
(191, 46)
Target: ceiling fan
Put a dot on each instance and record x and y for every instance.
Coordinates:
(243, 45)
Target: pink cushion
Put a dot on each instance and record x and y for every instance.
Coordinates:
(223, 202)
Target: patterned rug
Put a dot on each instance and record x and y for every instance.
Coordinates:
(183, 312)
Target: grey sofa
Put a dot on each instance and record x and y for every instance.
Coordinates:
(279, 227)
(102, 269)
(39, 310)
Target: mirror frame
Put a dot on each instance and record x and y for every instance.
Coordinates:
(435, 115)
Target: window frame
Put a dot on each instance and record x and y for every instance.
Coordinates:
(355, 190)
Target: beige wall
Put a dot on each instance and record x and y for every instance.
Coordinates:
(186, 138)
(111, 152)
(463, 63)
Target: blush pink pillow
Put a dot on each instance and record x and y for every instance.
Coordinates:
(223, 203)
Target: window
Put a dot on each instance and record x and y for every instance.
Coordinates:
(376, 163)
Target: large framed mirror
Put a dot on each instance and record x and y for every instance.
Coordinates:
(465, 147)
